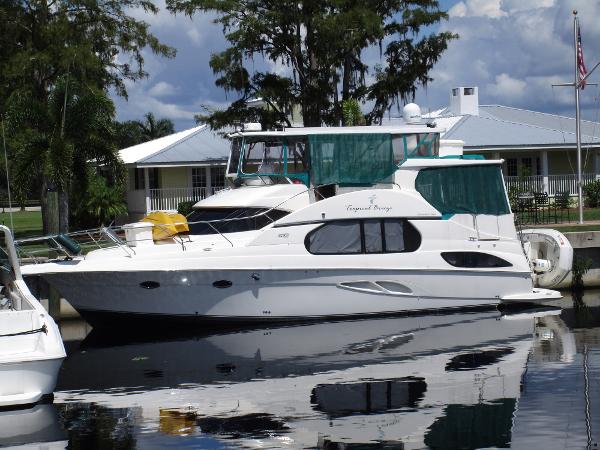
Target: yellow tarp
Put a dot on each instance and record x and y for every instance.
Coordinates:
(166, 224)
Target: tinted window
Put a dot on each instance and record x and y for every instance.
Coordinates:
(233, 219)
(336, 237)
(364, 236)
(234, 157)
(474, 259)
(394, 235)
(372, 231)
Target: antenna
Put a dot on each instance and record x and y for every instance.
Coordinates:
(10, 214)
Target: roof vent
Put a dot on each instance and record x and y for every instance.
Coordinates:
(411, 113)
(252, 126)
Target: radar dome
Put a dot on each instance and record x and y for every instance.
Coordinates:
(412, 113)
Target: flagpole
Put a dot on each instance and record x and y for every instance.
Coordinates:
(577, 118)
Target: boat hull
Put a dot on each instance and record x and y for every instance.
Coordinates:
(26, 382)
(281, 295)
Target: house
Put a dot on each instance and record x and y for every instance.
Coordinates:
(185, 166)
(539, 149)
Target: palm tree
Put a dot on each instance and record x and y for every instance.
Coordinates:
(153, 129)
(55, 143)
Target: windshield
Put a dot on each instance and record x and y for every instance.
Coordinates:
(263, 157)
(234, 220)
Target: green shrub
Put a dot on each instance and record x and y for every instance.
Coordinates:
(184, 208)
(591, 191)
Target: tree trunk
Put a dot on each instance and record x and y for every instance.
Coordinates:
(63, 211)
(345, 84)
(52, 212)
(44, 206)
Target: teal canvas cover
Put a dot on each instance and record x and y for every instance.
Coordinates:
(351, 159)
(477, 189)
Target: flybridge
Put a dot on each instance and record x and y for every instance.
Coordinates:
(360, 156)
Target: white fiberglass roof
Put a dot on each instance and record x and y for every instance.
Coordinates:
(305, 131)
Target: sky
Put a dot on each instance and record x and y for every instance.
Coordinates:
(513, 50)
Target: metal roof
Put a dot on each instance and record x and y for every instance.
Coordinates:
(193, 146)
(505, 127)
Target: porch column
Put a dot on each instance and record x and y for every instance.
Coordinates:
(147, 190)
(545, 171)
(208, 182)
(496, 155)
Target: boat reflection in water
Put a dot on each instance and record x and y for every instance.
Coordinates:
(35, 427)
(435, 380)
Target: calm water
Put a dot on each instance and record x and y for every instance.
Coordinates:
(470, 380)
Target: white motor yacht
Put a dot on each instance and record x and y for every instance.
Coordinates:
(31, 348)
(320, 223)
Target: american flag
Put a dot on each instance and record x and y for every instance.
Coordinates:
(580, 63)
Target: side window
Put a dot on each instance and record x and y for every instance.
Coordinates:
(474, 259)
(335, 238)
(364, 236)
(372, 232)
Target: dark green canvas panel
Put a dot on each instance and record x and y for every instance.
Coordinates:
(464, 189)
(354, 159)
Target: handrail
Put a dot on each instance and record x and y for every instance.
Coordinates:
(109, 233)
(11, 251)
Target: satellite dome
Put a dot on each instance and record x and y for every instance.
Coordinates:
(411, 113)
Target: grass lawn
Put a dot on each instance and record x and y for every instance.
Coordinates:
(27, 223)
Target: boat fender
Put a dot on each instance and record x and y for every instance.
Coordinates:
(69, 244)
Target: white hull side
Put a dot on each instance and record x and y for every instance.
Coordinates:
(26, 382)
(284, 294)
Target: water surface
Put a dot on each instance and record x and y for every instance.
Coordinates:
(480, 379)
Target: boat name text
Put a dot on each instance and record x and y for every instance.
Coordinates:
(372, 207)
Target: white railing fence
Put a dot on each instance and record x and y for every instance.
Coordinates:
(168, 199)
(552, 184)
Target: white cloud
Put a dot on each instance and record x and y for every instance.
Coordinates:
(195, 36)
(515, 55)
(507, 87)
(162, 89)
(471, 8)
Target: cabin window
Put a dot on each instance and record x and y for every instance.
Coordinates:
(468, 189)
(298, 156)
(394, 235)
(263, 157)
(415, 146)
(231, 220)
(340, 237)
(234, 158)
(372, 233)
(351, 159)
(364, 236)
(474, 260)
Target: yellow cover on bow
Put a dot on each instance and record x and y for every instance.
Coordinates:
(166, 224)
